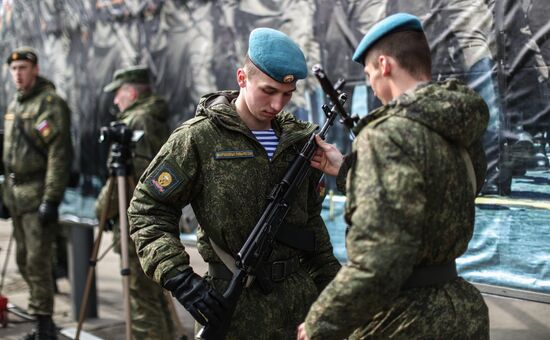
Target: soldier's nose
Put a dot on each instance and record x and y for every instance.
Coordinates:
(277, 104)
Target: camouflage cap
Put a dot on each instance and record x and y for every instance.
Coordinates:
(23, 53)
(134, 74)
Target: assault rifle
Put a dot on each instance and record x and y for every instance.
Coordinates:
(259, 244)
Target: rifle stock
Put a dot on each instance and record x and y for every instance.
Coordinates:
(259, 243)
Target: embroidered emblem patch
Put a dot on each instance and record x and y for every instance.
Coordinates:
(229, 154)
(14, 56)
(44, 128)
(164, 180)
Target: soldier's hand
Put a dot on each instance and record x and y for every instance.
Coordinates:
(205, 304)
(47, 212)
(327, 158)
(302, 335)
(4, 211)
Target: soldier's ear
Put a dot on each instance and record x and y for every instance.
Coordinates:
(241, 78)
(385, 65)
(134, 93)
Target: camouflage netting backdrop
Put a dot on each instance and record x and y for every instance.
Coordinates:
(501, 48)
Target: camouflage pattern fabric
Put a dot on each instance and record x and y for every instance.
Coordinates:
(41, 169)
(214, 162)
(410, 203)
(34, 259)
(36, 173)
(151, 317)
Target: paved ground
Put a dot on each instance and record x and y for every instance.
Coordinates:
(110, 324)
(510, 318)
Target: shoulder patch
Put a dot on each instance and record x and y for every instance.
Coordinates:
(164, 180)
(44, 128)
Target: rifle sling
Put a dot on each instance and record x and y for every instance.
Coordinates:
(228, 261)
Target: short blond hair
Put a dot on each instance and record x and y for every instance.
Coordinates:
(249, 68)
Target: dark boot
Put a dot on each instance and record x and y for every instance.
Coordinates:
(45, 329)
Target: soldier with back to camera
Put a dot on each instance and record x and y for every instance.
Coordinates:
(412, 176)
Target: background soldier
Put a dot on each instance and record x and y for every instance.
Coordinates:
(225, 162)
(140, 110)
(418, 163)
(37, 158)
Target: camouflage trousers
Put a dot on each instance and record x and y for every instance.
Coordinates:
(149, 307)
(34, 260)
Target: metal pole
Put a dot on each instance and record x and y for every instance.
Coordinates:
(124, 236)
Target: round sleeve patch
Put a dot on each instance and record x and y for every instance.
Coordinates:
(163, 180)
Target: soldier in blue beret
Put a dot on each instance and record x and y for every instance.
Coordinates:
(411, 179)
(225, 162)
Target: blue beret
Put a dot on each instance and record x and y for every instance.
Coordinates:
(393, 23)
(276, 55)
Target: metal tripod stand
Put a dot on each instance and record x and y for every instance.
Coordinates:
(120, 169)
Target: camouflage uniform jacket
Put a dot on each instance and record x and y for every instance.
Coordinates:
(39, 164)
(214, 162)
(410, 203)
(149, 113)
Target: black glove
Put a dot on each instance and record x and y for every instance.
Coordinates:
(47, 212)
(201, 300)
(109, 225)
(4, 211)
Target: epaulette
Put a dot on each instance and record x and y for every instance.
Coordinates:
(193, 121)
(378, 121)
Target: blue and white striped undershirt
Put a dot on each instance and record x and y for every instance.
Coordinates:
(268, 139)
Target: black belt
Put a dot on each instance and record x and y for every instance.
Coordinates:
(279, 270)
(436, 275)
(22, 178)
